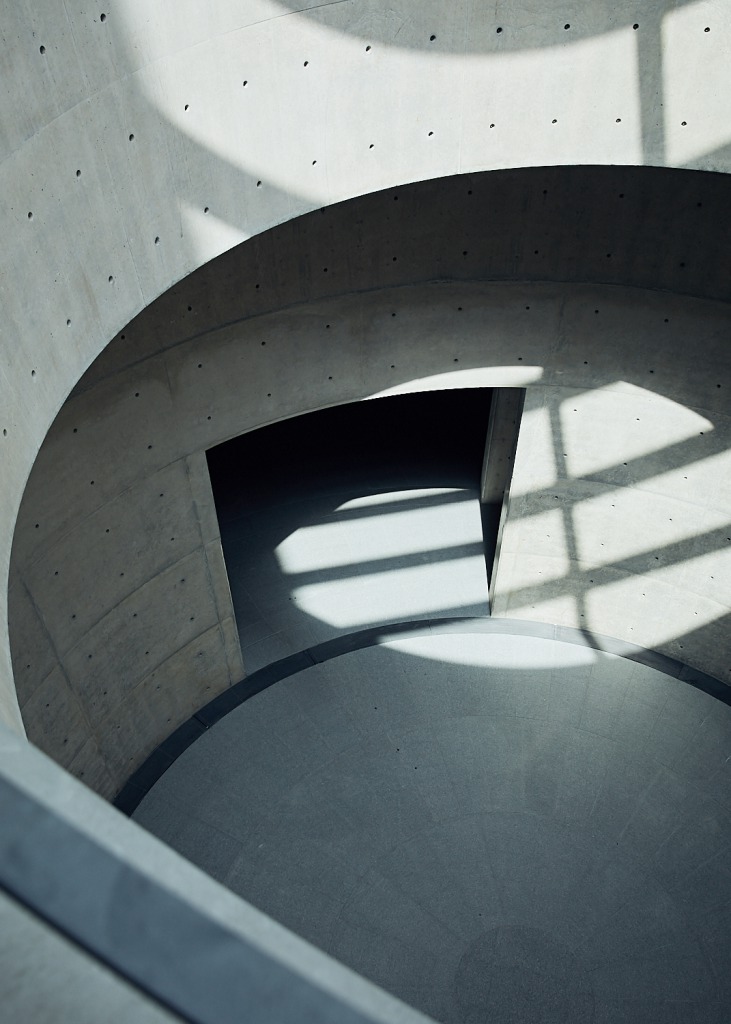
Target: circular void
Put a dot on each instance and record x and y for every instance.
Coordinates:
(491, 827)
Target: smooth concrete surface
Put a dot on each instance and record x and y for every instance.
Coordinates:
(608, 507)
(156, 626)
(154, 915)
(52, 980)
(492, 827)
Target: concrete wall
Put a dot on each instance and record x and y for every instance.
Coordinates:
(137, 146)
(118, 610)
(618, 520)
(618, 523)
(619, 517)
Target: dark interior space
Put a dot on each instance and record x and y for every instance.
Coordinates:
(343, 518)
(430, 439)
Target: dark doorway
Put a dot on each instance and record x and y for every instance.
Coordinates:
(353, 516)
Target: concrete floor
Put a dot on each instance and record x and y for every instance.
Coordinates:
(490, 827)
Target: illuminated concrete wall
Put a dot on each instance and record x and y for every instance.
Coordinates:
(139, 145)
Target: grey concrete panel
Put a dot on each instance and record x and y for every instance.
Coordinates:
(126, 543)
(200, 488)
(56, 716)
(90, 767)
(148, 529)
(34, 656)
(218, 577)
(64, 983)
(232, 648)
(105, 652)
(113, 426)
(197, 667)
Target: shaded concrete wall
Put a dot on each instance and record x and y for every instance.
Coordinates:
(134, 150)
(625, 550)
(120, 611)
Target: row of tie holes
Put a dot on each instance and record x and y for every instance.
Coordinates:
(327, 327)
(498, 30)
(258, 184)
(206, 210)
(371, 145)
(122, 337)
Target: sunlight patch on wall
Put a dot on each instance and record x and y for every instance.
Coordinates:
(695, 61)
(477, 377)
(638, 530)
(390, 535)
(205, 233)
(401, 593)
(548, 541)
(395, 497)
(536, 455)
(668, 615)
(610, 427)
(395, 556)
(495, 651)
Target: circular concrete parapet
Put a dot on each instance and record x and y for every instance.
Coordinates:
(619, 506)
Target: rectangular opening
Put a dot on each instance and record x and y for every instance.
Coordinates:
(353, 517)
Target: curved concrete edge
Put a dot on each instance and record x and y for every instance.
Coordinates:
(186, 942)
(94, 698)
(141, 782)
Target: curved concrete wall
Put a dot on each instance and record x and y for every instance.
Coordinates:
(133, 152)
(638, 479)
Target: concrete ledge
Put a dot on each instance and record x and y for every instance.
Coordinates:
(188, 944)
(142, 781)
